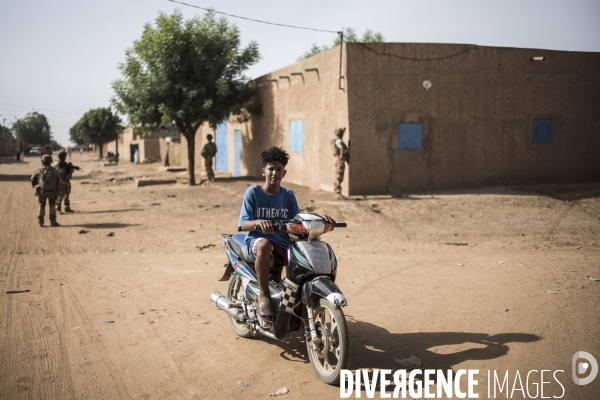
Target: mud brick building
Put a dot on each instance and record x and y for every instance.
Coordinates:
(424, 117)
(151, 147)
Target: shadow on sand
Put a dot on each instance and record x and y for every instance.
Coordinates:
(373, 347)
(15, 178)
(101, 226)
(109, 211)
(13, 159)
(564, 192)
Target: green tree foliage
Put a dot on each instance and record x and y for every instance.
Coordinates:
(184, 73)
(314, 50)
(33, 129)
(349, 36)
(97, 126)
(55, 146)
(74, 137)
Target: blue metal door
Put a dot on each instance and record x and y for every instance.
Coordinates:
(221, 142)
(237, 153)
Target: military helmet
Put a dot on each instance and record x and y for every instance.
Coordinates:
(46, 159)
(62, 154)
(339, 132)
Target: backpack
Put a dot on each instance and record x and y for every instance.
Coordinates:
(335, 149)
(48, 181)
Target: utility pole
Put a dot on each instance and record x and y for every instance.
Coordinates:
(3, 138)
(18, 135)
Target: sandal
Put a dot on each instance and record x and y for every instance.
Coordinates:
(266, 311)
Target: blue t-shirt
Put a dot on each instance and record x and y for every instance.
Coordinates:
(260, 205)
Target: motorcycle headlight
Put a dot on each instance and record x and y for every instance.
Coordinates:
(298, 228)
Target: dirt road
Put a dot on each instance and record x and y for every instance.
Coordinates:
(491, 279)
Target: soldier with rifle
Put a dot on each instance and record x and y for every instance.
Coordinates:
(65, 170)
(341, 153)
(46, 182)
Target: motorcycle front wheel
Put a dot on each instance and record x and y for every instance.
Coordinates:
(233, 288)
(331, 352)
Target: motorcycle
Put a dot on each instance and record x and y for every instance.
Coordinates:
(307, 300)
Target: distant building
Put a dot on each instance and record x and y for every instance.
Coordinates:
(8, 144)
(423, 117)
(152, 147)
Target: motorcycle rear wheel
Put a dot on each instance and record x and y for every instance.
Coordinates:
(241, 329)
(333, 353)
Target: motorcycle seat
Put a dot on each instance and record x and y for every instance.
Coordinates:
(239, 248)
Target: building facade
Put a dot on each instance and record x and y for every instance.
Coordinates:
(425, 117)
(151, 148)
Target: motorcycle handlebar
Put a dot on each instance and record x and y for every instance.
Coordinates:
(280, 226)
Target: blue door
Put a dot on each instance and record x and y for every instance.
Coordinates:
(221, 142)
(237, 153)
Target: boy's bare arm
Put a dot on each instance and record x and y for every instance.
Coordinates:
(265, 225)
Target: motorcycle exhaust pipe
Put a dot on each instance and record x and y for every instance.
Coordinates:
(263, 332)
(224, 304)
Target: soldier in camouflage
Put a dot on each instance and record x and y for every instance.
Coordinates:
(46, 150)
(46, 182)
(65, 170)
(341, 152)
(208, 152)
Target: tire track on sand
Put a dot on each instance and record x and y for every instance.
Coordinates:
(90, 344)
(82, 354)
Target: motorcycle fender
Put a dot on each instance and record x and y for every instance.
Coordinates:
(227, 271)
(322, 287)
(282, 325)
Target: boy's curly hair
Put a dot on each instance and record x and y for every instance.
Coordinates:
(275, 154)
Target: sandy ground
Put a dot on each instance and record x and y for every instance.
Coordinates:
(491, 279)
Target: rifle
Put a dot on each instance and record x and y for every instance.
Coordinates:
(73, 167)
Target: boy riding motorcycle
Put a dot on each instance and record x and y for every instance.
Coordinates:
(263, 204)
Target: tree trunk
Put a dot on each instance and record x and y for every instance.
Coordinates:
(191, 142)
(100, 148)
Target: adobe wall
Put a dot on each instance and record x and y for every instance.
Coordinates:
(307, 90)
(174, 152)
(151, 147)
(8, 145)
(199, 143)
(204, 130)
(124, 140)
(477, 116)
(151, 150)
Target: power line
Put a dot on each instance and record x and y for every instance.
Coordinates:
(41, 109)
(59, 126)
(323, 30)
(416, 59)
(251, 19)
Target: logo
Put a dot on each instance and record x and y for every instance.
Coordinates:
(582, 367)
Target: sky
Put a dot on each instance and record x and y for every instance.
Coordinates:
(59, 57)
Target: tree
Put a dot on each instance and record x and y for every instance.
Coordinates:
(55, 146)
(33, 129)
(349, 36)
(74, 137)
(97, 126)
(183, 73)
(314, 50)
